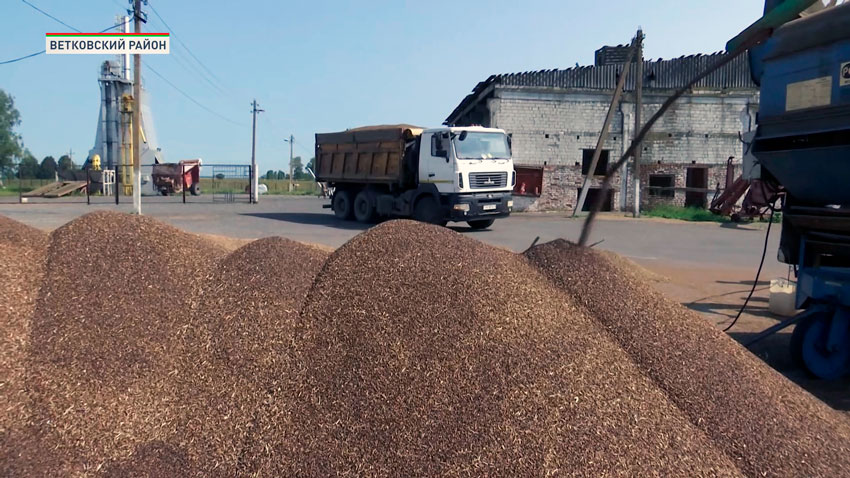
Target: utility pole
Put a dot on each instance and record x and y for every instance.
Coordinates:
(291, 180)
(638, 107)
(137, 112)
(254, 178)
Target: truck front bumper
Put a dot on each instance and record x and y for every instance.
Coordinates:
(469, 207)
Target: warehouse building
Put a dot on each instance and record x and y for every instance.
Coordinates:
(555, 117)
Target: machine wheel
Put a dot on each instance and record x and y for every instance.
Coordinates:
(427, 210)
(342, 204)
(796, 346)
(195, 189)
(163, 192)
(481, 223)
(364, 209)
(809, 348)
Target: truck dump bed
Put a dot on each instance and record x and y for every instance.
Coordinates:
(372, 154)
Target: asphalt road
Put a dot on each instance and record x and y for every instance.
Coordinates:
(304, 219)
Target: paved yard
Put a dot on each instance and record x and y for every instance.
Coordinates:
(304, 219)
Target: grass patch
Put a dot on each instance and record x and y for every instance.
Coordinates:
(684, 214)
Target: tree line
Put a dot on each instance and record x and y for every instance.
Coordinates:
(15, 159)
(298, 171)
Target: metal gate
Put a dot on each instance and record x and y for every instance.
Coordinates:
(230, 182)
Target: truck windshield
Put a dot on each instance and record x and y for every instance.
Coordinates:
(482, 146)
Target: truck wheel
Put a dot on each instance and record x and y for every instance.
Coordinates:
(364, 210)
(427, 210)
(195, 189)
(481, 223)
(342, 205)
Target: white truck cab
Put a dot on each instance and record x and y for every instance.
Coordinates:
(471, 167)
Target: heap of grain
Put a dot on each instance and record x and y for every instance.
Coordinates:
(22, 256)
(113, 341)
(426, 353)
(768, 425)
(244, 393)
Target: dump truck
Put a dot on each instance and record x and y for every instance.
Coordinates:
(460, 174)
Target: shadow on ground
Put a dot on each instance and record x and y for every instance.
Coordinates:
(326, 219)
(311, 218)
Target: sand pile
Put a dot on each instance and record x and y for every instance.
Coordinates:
(113, 342)
(426, 353)
(22, 256)
(244, 393)
(768, 425)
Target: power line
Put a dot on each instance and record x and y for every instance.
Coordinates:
(13, 60)
(193, 70)
(193, 100)
(179, 40)
(22, 57)
(50, 16)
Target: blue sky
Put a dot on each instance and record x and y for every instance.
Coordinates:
(324, 66)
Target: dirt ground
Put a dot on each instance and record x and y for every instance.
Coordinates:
(718, 294)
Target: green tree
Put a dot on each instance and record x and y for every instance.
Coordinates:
(10, 142)
(28, 169)
(297, 167)
(66, 163)
(281, 174)
(270, 174)
(47, 170)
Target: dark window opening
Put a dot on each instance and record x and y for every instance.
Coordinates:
(601, 166)
(592, 195)
(661, 186)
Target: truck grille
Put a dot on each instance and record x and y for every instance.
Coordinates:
(488, 180)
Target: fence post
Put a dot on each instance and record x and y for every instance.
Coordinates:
(183, 180)
(88, 185)
(20, 185)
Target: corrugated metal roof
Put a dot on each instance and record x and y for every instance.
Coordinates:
(659, 75)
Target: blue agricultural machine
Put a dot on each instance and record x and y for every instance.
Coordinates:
(803, 147)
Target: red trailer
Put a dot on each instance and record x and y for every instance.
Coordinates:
(166, 177)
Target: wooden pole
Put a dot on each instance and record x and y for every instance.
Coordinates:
(603, 136)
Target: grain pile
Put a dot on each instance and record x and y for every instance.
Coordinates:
(426, 353)
(113, 343)
(768, 425)
(244, 393)
(22, 256)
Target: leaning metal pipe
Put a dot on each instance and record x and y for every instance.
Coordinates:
(638, 139)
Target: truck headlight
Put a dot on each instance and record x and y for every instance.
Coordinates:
(510, 204)
(461, 207)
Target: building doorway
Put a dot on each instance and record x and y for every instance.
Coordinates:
(696, 182)
(592, 195)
